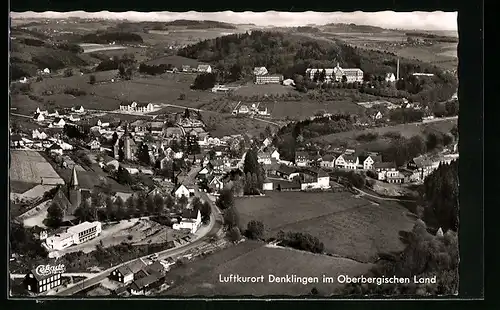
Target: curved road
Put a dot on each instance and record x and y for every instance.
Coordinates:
(215, 225)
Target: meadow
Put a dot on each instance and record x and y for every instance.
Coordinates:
(31, 167)
(250, 258)
(348, 226)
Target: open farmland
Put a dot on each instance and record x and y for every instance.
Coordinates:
(251, 258)
(305, 109)
(406, 130)
(223, 125)
(31, 167)
(174, 60)
(348, 226)
(188, 36)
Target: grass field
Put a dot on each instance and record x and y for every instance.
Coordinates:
(231, 125)
(174, 60)
(251, 89)
(31, 167)
(406, 130)
(304, 109)
(348, 226)
(255, 259)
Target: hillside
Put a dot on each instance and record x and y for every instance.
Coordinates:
(105, 37)
(30, 51)
(352, 28)
(200, 24)
(291, 54)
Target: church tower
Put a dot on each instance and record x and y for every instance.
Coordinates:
(74, 194)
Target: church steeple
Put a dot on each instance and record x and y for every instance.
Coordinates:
(73, 182)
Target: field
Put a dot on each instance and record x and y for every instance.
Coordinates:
(31, 167)
(255, 259)
(251, 89)
(92, 47)
(348, 226)
(174, 60)
(186, 36)
(406, 130)
(304, 109)
(223, 125)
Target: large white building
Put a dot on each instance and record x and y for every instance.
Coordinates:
(338, 74)
(74, 235)
(190, 220)
(137, 107)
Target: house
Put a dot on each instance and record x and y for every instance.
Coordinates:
(389, 77)
(377, 115)
(395, 177)
(301, 158)
(74, 235)
(288, 82)
(38, 117)
(181, 191)
(139, 126)
(347, 161)
(215, 183)
(16, 141)
(264, 158)
(267, 142)
(53, 113)
(94, 145)
(205, 171)
(327, 161)
(78, 110)
(140, 286)
(243, 109)
(191, 220)
(43, 278)
(267, 185)
(286, 172)
(186, 68)
(74, 118)
(260, 71)
(55, 149)
(43, 112)
(46, 71)
(102, 124)
(275, 155)
(23, 80)
(382, 168)
(58, 123)
(365, 162)
(156, 127)
(421, 166)
(173, 132)
(268, 79)
(204, 68)
(126, 273)
(315, 179)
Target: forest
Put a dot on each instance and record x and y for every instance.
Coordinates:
(110, 37)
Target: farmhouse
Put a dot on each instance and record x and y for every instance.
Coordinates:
(215, 183)
(78, 110)
(190, 220)
(268, 79)
(347, 161)
(204, 68)
(74, 118)
(383, 168)
(327, 161)
(139, 286)
(186, 68)
(181, 191)
(302, 158)
(35, 134)
(286, 172)
(58, 123)
(264, 158)
(39, 282)
(365, 162)
(315, 179)
(55, 149)
(126, 273)
(74, 235)
(421, 167)
(94, 145)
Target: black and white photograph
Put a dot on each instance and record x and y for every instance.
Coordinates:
(174, 155)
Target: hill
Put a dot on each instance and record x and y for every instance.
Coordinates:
(333, 27)
(291, 54)
(200, 24)
(106, 37)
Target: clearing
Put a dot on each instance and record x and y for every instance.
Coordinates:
(254, 259)
(251, 89)
(348, 226)
(407, 130)
(31, 167)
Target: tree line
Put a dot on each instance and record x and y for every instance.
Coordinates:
(106, 37)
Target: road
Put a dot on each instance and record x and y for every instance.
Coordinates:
(215, 226)
(383, 198)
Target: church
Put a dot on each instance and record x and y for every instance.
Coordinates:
(126, 144)
(70, 199)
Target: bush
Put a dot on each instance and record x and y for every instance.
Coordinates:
(92, 79)
(367, 137)
(75, 92)
(68, 72)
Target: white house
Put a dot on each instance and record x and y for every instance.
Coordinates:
(58, 123)
(267, 185)
(46, 71)
(322, 180)
(328, 161)
(78, 110)
(55, 149)
(260, 71)
(365, 162)
(43, 112)
(74, 118)
(39, 117)
(181, 191)
(267, 142)
(347, 161)
(24, 80)
(264, 158)
(102, 124)
(190, 220)
(378, 115)
(94, 145)
(389, 77)
(276, 155)
(204, 68)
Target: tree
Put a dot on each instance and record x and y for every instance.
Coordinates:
(110, 208)
(182, 202)
(316, 76)
(454, 132)
(231, 218)
(234, 234)
(416, 146)
(143, 154)
(204, 81)
(434, 140)
(225, 200)
(123, 176)
(86, 212)
(322, 76)
(55, 215)
(186, 113)
(120, 211)
(92, 79)
(150, 205)
(251, 163)
(268, 131)
(121, 70)
(68, 72)
(205, 211)
(255, 230)
(141, 204)
(159, 204)
(131, 207)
